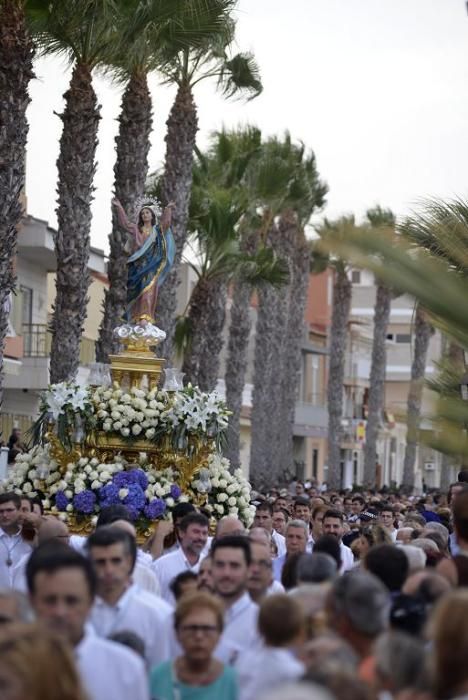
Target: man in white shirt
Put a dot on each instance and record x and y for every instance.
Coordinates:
(142, 574)
(260, 582)
(231, 557)
(193, 535)
(120, 605)
(387, 519)
(12, 545)
(333, 525)
(62, 585)
(264, 518)
(297, 532)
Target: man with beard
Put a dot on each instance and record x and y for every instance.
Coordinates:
(193, 535)
(333, 525)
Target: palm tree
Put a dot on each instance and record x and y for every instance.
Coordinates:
(146, 31)
(338, 230)
(83, 31)
(238, 74)
(378, 219)
(435, 274)
(288, 177)
(218, 208)
(16, 70)
(423, 331)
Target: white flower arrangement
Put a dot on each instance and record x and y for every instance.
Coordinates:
(58, 398)
(228, 494)
(131, 414)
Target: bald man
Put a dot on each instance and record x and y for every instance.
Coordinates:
(50, 528)
(229, 525)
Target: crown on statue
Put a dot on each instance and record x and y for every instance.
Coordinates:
(148, 203)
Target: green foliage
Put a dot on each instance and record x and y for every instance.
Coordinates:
(81, 30)
(427, 259)
(212, 57)
(151, 30)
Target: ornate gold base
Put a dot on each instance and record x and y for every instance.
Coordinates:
(136, 364)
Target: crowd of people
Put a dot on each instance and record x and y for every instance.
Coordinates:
(327, 596)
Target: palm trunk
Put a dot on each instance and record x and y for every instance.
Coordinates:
(206, 315)
(266, 382)
(16, 54)
(130, 171)
(342, 291)
(291, 374)
(383, 302)
(422, 335)
(236, 363)
(182, 127)
(76, 167)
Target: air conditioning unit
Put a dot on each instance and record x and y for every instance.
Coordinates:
(429, 466)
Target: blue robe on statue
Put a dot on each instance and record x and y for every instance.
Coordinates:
(149, 266)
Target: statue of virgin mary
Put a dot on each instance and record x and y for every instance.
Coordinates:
(150, 262)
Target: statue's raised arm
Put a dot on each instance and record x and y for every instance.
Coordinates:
(149, 264)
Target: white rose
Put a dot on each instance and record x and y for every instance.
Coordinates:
(150, 433)
(46, 504)
(231, 489)
(27, 487)
(125, 432)
(93, 475)
(88, 469)
(32, 474)
(170, 502)
(117, 425)
(107, 427)
(115, 415)
(219, 509)
(215, 482)
(104, 476)
(123, 493)
(232, 501)
(222, 497)
(96, 485)
(68, 493)
(69, 508)
(136, 429)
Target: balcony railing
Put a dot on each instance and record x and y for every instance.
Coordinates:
(38, 340)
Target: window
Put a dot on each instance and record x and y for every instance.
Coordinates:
(26, 305)
(390, 336)
(403, 337)
(356, 276)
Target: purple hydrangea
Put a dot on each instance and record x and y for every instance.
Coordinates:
(155, 508)
(133, 476)
(175, 492)
(135, 500)
(61, 501)
(108, 495)
(85, 501)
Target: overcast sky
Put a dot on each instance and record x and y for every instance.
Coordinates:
(377, 88)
